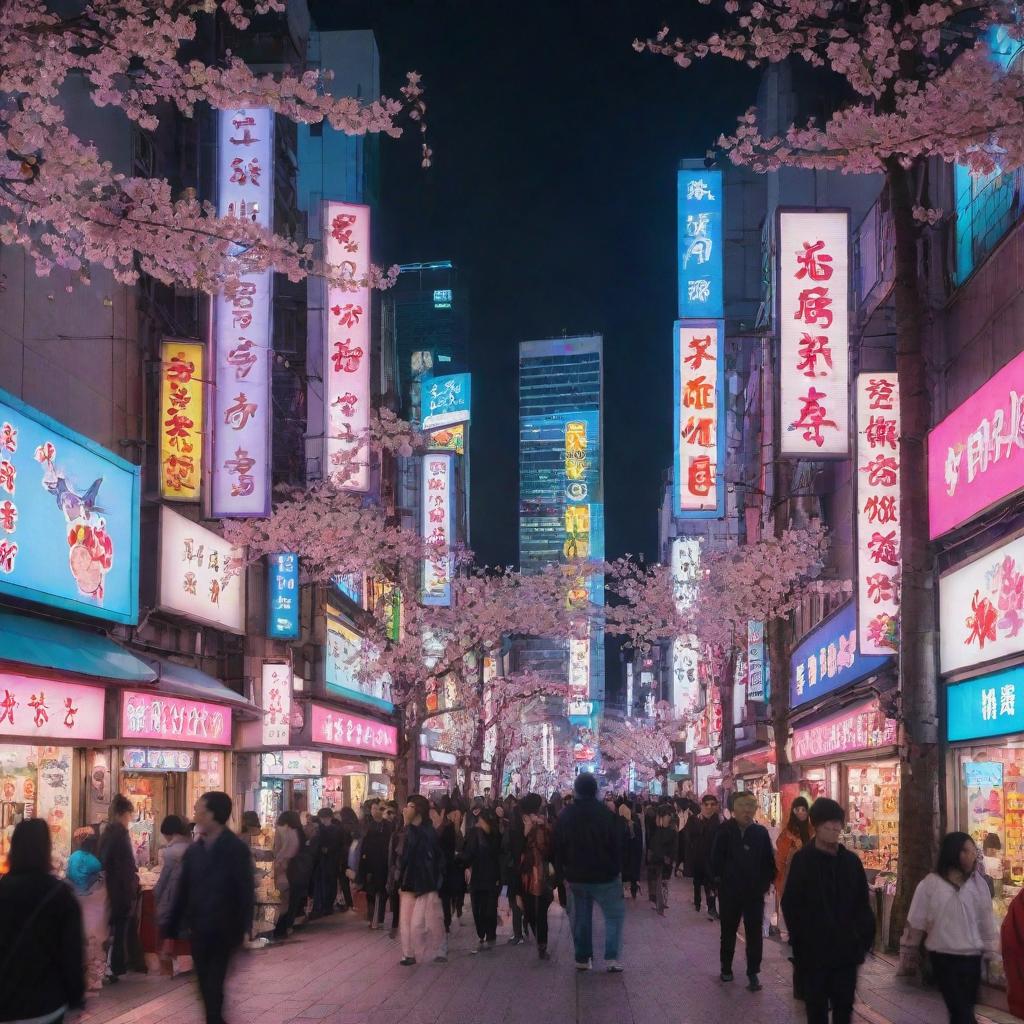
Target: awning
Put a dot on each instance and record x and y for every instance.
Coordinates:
(184, 681)
(59, 646)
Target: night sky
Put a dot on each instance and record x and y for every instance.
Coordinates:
(553, 191)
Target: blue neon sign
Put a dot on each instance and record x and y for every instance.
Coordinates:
(69, 518)
(283, 596)
(828, 659)
(700, 212)
(445, 400)
(989, 705)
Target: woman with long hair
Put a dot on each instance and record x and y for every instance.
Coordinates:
(793, 838)
(952, 909)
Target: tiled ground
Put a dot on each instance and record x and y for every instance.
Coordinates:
(338, 972)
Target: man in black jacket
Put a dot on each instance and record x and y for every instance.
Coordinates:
(743, 865)
(372, 876)
(828, 913)
(419, 875)
(122, 879)
(214, 900)
(698, 838)
(325, 876)
(588, 855)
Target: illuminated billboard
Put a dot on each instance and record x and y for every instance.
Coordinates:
(445, 400)
(438, 526)
(700, 211)
(181, 419)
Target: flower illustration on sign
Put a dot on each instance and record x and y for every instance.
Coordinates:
(997, 610)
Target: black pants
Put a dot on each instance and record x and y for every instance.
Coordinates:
(376, 900)
(702, 883)
(211, 956)
(485, 913)
(535, 913)
(452, 901)
(395, 906)
(517, 914)
(958, 978)
(833, 987)
(749, 909)
(118, 945)
(346, 889)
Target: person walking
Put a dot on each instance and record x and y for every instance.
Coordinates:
(513, 843)
(453, 843)
(288, 841)
(661, 856)
(349, 832)
(420, 874)
(42, 973)
(952, 910)
(372, 876)
(535, 889)
(792, 839)
(215, 899)
(176, 840)
(828, 912)
(122, 877)
(587, 854)
(85, 874)
(632, 850)
(482, 859)
(325, 876)
(698, 839)
(743, 867)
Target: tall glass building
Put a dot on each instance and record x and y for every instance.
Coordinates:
(561, 481)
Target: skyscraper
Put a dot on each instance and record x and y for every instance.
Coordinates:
(561, 496)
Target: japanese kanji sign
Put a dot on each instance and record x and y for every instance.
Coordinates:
(347, 346)
(34, 707)
(700, 205)
(181, 420)
(157, 716)
(241, 410)
(862, 727)
(813, 318)
(445, 400)
(976, 454)
(69, 518)
(202, 577)
(276, 701)
(283, 595)
(981, 608)
(437, 526)
(699, 366)
(986, 706)
(878, 512)
(338, 728)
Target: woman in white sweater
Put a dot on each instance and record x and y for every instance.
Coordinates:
(952, 908)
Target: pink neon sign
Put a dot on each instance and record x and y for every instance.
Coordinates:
(860, 728)
(341, 729)
(156, 716)
(49, 708)
(976, 454)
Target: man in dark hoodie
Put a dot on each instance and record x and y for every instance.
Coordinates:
(122, 878)
(372, 875)
(828, 913)
(698, 839)
(419, 875)
(743, 865)
(588, 855)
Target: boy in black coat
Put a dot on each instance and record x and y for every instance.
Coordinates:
(743, 865)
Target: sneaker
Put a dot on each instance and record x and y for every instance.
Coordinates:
(585, 965)
(613, 967)
(712, 915)
(753, 983)
(440, 959)
(516, 940)
(407, 961)
(490, 944)
(726, 975)
(481, 946)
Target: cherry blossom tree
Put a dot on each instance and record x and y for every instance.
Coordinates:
(916, 82)
(646, 744)
(65, 204)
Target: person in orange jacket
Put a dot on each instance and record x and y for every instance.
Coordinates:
(1012, 938)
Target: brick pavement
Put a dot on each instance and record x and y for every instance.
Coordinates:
(338, 972)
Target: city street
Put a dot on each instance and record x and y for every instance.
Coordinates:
(338, 972)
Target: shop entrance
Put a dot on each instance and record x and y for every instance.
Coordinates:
(154, 795)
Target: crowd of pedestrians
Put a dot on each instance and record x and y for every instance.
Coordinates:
(417, 863)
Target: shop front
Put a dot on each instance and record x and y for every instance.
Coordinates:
(754, 772)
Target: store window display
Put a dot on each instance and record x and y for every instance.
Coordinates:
(872, 819)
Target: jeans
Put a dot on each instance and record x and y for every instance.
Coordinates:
(211, 956)
(535, 914)
(485, 913)
(749, 909)
(421, 925)
(608, 896)
(958, 978)
(829, 986)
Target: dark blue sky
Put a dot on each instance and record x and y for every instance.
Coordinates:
(553, 190)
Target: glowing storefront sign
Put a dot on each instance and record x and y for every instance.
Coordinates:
(338, 728)
(347, 346)
(345, 653)
(283, 596)
(181, 420)
(276, 703)
(293, 764)
(437, 527)
(985, 706)
(51, 709)
(685, 568)
(878, 512)
(451, 439)
(976, 454)
(201, 575)
(755, 660)
(863, 727)
(981, 608)
(69, 518)
(685, 689)
(813, 318)
(699, 420)
(445, 400)
(242, 323)
(157, 716)
(158, 759)
(700, 203)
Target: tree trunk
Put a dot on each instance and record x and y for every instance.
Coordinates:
(776, 634)
(407, 764)
(919, 765)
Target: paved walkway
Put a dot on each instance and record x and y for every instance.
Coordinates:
(338, 972)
